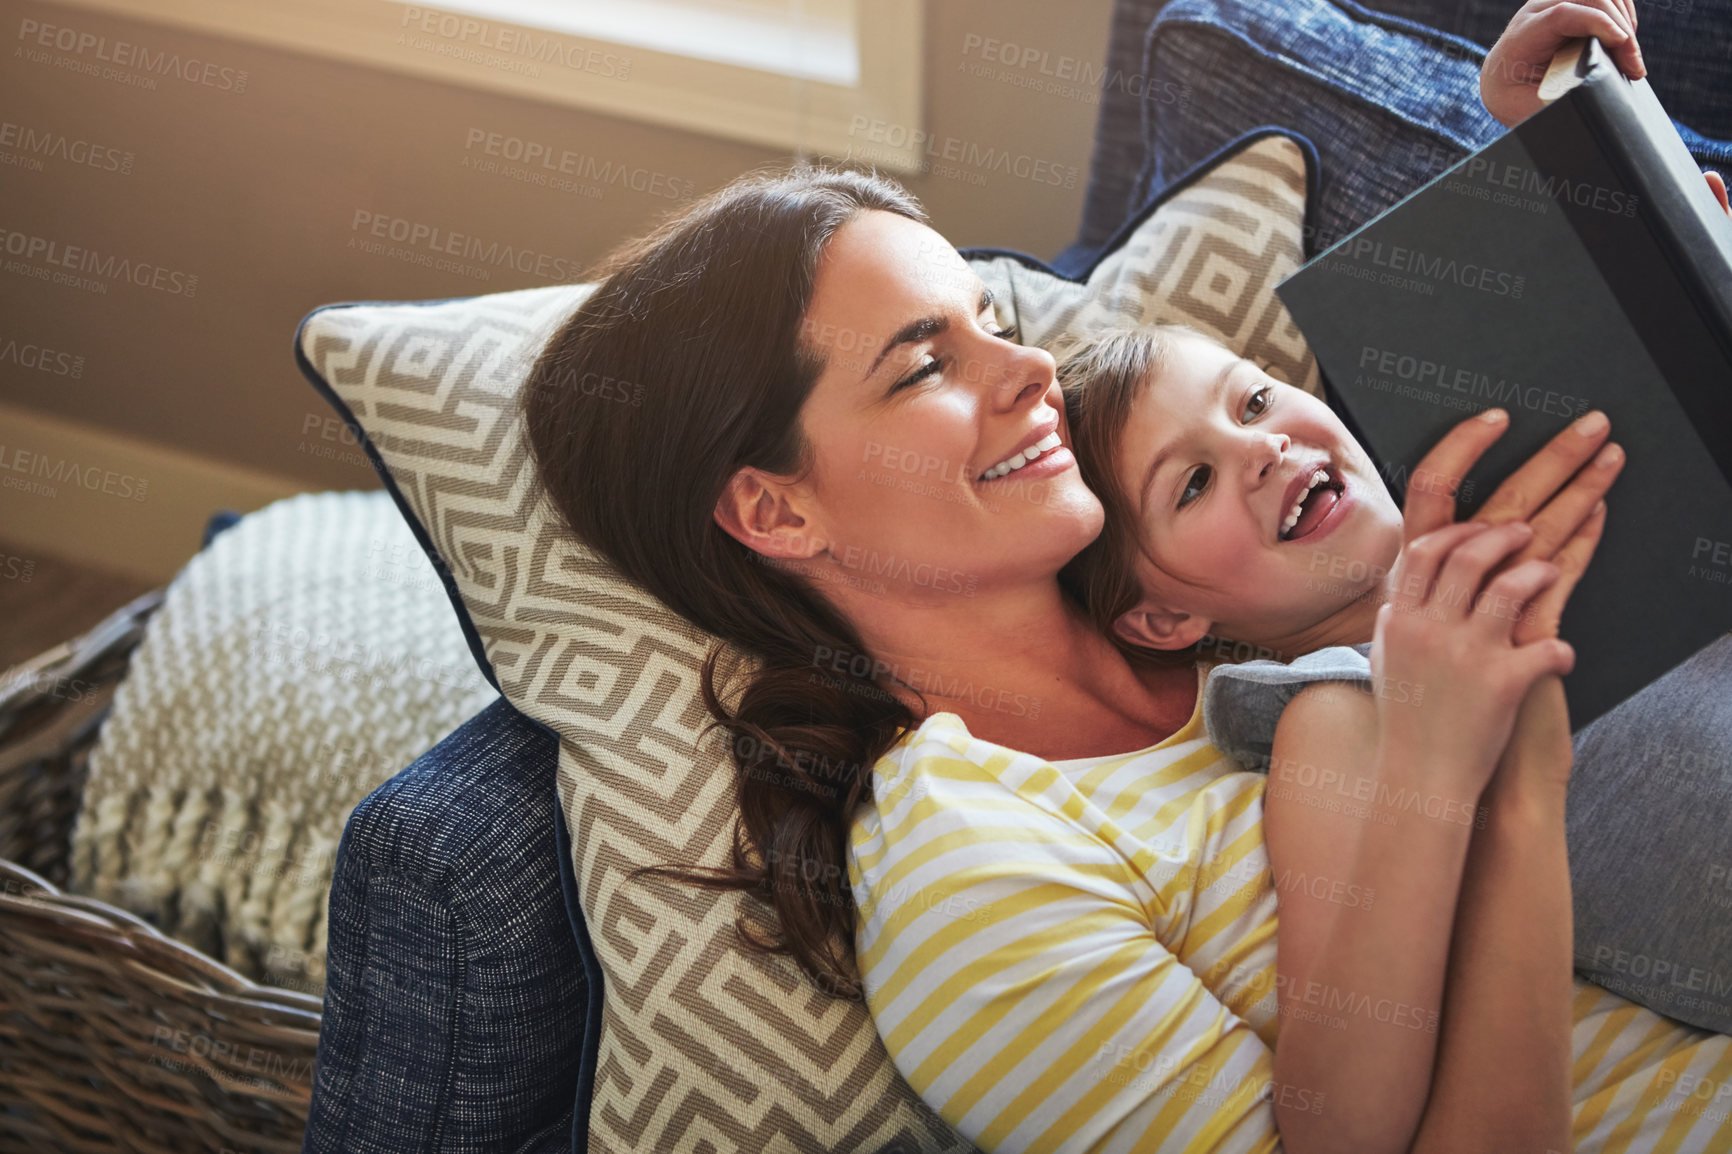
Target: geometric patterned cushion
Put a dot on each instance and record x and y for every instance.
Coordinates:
(704, 1045)
(1209, 255)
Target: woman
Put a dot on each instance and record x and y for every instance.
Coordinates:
(790, 332)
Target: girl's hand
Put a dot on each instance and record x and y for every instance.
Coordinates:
(1509, 80)
(1557, 491)
(1447, 670)
(1540, 622)
(1540, 753)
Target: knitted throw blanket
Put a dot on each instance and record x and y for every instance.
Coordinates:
(304, 657)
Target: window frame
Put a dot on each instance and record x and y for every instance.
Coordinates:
(878, 120)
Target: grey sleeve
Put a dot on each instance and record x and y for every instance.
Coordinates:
(1242, 703)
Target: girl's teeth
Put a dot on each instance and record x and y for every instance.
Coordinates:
(1317, 479)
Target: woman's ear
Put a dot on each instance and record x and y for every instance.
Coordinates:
(1157, 627)
(763, 513)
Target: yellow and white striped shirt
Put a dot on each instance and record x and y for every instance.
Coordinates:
(1080, 956)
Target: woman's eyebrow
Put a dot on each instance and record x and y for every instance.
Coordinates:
(922, 329)
(1218, 388)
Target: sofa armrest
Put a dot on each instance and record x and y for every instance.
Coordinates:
(455, 997)
(1388, 93)
(552, 1139)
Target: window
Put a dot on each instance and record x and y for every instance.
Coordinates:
(801, 75)
(808, 39)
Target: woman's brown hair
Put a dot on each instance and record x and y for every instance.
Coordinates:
(684, 366)
(1101, 380)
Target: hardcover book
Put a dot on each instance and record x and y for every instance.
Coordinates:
(1579, 261)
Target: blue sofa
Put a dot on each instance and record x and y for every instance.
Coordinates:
(463, 1001)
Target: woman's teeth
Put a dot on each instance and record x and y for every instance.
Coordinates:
(1317, 479)
(1044, 445)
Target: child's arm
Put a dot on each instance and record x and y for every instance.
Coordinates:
(1503, 1076)
(1507, 1004)
(1330, 842)
(1360, 986)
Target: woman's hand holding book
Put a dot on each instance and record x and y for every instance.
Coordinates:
(1509, 80)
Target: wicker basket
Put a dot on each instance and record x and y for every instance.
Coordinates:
(113, 1036)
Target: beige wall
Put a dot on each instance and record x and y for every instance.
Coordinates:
(255, 194)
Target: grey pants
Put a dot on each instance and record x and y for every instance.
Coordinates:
(1649, 820)
(1650, 835)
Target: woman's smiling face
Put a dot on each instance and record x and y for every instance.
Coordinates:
(1260, 515)
(937, 442)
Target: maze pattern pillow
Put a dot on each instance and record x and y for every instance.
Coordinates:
(704, 1045)
(1208, 255)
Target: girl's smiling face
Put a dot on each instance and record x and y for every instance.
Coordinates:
(1261, 517)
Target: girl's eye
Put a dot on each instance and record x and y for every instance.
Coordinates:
(1259, 403)
(1009, 334)
(931, 365)
(1195, 486)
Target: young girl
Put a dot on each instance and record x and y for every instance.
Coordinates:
(1241, 508)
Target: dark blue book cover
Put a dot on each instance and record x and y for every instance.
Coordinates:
(1578, 262)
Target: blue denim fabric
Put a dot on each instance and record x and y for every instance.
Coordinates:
(1117, 159)
(1388, 104)
(219, 520)
(456, 994)
(1714, 154)
(1388, 100)
(1687, 45)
